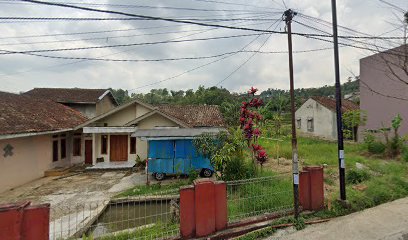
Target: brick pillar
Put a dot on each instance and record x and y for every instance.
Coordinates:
(187, 212)
(316, 188)
(11, 216)
(204, 207)
(304, 190)
(221, 209)
(36, 222)
(312, 188)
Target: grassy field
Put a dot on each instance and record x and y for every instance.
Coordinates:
(377, 181)
(374, 182)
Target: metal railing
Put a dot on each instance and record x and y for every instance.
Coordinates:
(156, 216)
(259, 196)
(153, 216)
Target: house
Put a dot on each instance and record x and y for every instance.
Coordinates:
(35, 135)
(384, 89)
(90, 102)
(108, 137)
(38, 134)
(317, 116)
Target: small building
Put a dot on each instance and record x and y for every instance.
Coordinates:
(39, 134)
(317, 116)
(108, 137)
(384, 89)
(35, 136)
(90, 102)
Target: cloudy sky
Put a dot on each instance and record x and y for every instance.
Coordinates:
(234, 71)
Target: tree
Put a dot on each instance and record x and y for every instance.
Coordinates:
(121, 96)
(351, 121)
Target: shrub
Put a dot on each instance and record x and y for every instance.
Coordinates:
(193, 175)
(237, 168)
(376, 147)
(404, 154)
(355, 176)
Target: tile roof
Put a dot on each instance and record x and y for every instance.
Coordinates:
(24, 114)
(330, 103)
(195, 115)
(67, 95)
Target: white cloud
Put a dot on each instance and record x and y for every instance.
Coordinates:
(22, 72)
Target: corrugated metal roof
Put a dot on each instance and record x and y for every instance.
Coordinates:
(175, 132)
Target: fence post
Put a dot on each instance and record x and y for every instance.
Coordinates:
(312, 188)
(11, 217)
(36, 222)
(187, 212)
(221, 211)
(304, 190)
(204, 207)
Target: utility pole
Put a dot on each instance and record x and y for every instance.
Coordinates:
(340, 142)
(287, 17)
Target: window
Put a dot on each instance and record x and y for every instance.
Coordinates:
(63, 148)
(132, 145)
(55, 150)
(104, 144)
(299, 123)
(76, 147)
(310, 125)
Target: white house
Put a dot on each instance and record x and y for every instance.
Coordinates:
(317, 116)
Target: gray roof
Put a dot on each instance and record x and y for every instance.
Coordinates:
(174, 132)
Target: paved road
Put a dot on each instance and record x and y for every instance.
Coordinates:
(385, 222)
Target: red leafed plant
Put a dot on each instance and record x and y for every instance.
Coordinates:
(249, 120)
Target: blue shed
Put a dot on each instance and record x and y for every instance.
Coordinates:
(171, 151)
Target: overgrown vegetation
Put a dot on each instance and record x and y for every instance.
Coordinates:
(393, 146)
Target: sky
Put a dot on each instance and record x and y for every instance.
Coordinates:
(238, 70)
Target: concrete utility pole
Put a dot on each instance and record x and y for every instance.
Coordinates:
(287, 17)
(342, 164)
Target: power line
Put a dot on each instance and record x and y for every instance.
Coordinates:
(129, 19)
(6, 52)
(196, 68)
(249, 58)
(150, 7)
(110, 54)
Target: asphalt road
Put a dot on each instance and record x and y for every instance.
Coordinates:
(385, 222)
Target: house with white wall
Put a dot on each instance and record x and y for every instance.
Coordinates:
(317, 116)
(37, 134)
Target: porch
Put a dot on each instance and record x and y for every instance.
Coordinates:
(110, 147)
(112, 165)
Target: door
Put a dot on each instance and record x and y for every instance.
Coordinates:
(88, 151)
(118, 148)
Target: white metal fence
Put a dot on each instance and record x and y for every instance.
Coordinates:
(156, 216)
(258, 196)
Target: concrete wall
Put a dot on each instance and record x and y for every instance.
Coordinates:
(121, 117)
(89, 110)
(324, 120)
(151, 122)
(376, 81)
(124, 116)
(31, 157)
(104, 105)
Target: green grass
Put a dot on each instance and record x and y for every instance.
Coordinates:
(153, 188)
(384, 179)
(272, 193)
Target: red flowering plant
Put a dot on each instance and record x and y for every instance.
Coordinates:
(250, 120)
